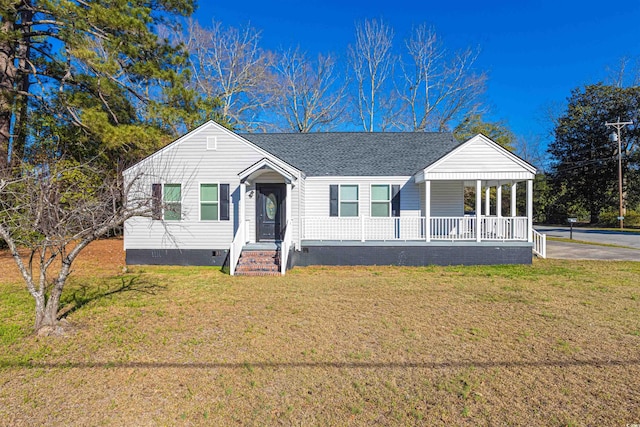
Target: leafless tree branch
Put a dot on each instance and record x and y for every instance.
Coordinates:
(307, 95)
(371, 62)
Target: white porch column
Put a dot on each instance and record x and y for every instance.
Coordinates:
(499, 200)
(530, 210)
(478, 207)
(241, 211)
(514, 210)
(287, 204)
(427, 210)
(487, 200)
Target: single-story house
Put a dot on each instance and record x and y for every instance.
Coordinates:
(265, 202)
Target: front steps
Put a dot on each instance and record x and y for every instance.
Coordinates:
(263, 262)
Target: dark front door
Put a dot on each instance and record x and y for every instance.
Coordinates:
(270, 218)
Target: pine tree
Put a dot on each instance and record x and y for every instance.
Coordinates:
(94, 71)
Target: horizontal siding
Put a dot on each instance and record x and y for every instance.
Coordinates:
(190, 163)
(299, 207)
(317, 194)
(478, 156)
(447, 198)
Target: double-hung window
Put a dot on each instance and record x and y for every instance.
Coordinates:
(348, 200)
(209, 202)
(344, 200)
(172, 197)
(380, 200)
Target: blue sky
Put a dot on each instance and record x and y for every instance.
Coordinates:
(534, 52)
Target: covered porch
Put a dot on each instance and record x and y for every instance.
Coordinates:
(488, 222)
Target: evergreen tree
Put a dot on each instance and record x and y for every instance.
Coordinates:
(474, 124)
(584, 160)
(94, 73)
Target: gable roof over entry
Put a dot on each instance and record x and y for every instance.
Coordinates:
(356, 153)
(265, 165)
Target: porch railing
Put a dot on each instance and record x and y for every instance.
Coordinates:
(236, 248)
(414, 228)
(501, 228)
(539, 244)
(285, 246)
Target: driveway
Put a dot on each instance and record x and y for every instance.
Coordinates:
(566, 250)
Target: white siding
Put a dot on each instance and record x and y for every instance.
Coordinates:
(299, 206)
(447, 198)
(317, 194)
(188, 162)
(478, 158)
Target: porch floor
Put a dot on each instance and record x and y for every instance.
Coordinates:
(414, 243)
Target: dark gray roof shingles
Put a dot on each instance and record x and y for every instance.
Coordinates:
(356, 153)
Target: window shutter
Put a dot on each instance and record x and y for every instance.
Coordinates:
(156, 201)
(395, 200)
(224, 202)
(333, 200)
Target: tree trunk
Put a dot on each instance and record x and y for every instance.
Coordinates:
(47, 313)
(7, 80)
(23, 83)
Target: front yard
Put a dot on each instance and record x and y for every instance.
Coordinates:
(556, 343)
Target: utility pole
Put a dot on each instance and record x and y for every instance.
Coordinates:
(616, 137)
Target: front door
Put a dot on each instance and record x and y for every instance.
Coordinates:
(270, 215)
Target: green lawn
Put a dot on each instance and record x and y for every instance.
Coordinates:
(556, 343)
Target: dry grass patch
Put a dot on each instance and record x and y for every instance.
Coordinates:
(555, 343)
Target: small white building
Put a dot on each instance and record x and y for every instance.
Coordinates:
(272, 201)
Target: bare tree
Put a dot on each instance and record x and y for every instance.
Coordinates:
(626, 74)
(307, 95)
(371, 62)
(229, 64)
(436, 89)
(49, 214)
(533, 149)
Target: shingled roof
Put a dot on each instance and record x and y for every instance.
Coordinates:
(356, 153)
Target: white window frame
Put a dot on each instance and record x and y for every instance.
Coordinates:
(165, 203)
(371, 201)
(348, 201)
(200, 184)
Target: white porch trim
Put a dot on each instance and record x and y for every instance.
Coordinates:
(487, 200)
(530, 209)
(265, 164)
(427, 209)
(478, 205)
(364, 229)
(514, 208)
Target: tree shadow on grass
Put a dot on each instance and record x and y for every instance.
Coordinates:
(84, 294)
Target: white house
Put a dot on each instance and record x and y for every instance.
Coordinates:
(262, 203)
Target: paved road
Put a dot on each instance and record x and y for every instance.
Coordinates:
(565, 250)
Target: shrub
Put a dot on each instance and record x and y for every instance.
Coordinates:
(610, 218)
